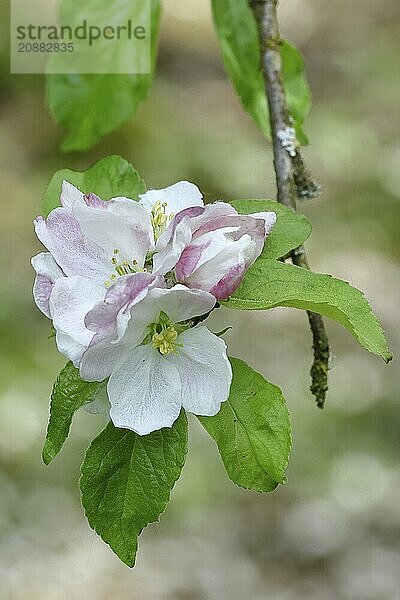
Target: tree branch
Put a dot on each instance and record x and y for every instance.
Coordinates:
(292, 178)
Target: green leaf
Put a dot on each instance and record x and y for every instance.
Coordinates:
(296, 87)
(127, 480)
(112, 176)
(90, 106)
(238, 38)
(252, 430)
(269, 283)
(69, 393)
(290, 230)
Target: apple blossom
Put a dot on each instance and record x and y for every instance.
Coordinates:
(122, 282)
(207, 247)
(156, 361)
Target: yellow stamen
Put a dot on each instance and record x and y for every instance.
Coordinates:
(122, 268)
(165, 341)
(159, 218)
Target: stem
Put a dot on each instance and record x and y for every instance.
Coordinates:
(197, 320)
(293, 180)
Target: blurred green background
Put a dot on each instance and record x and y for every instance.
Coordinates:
(332, 532)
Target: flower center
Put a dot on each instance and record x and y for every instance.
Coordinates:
(122, 268)
(159, 218)
(163, 335)
(165, 342)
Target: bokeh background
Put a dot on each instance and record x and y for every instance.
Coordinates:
(332, 532)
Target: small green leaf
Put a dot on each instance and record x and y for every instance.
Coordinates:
(238, 37)
(252, 430)
(112, 176)
(127, 480)
(269, 283)
(290, 230)
(69, 393)
(90, 106)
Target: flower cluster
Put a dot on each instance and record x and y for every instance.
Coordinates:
(124, 283)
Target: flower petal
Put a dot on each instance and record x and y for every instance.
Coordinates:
(109, 320)
(97, 361)
(231, 261)
(48, 272)
(268, 217)
(177, 197)
(124, 227)
(70, 300)
(69, 347)
(100, 405)
(229, 282)
(179, 303)
(144, 392)
(204, 370)
(62, 235)
(166, 259)
(209, 220)
(199, 252)
(70, 195)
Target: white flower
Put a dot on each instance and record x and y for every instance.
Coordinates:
(207, 247)
(156, 362)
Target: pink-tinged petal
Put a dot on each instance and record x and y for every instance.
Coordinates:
(112, 315)
(110, 319)
(117, 224)
(209, 220)
(168, 234)
(61, 234)
(47, 273)
(124, 226)
(95, 202)
(144, 391)
(204, 371)
(269, 219)
(42, 289)
(182, 229)
(199, 215)
(227, 223)
(70, 300)
(229, 282)
(189, 259)
(235, 255)
(177, 197)
(211, 245)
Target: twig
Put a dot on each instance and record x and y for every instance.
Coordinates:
(292, 178)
